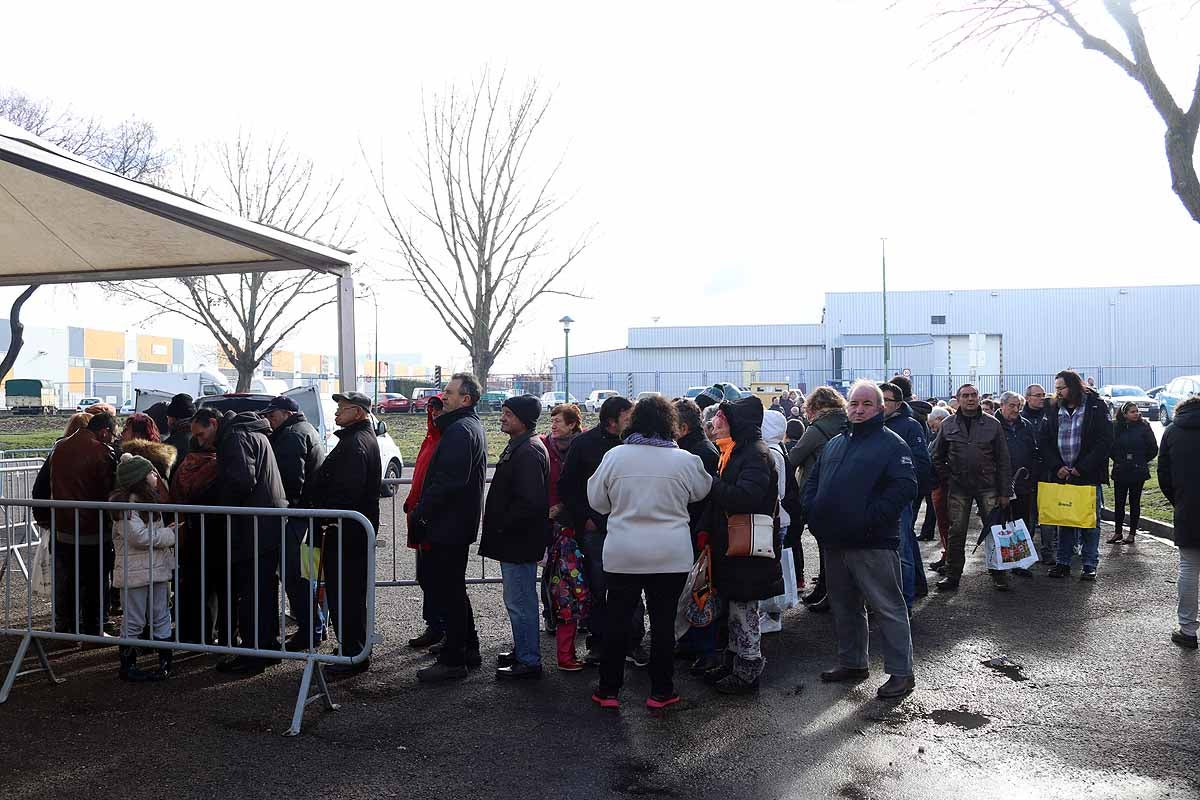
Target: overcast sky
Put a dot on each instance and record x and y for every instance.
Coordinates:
(737, 161)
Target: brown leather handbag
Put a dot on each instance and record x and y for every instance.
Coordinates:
(751, 535)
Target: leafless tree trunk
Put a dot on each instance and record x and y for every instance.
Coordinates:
(478, 246)
(984, 20)
(250, 314)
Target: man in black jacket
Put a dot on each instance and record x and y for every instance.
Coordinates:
(349, 479)
(249, 478)
(516, 530)
(583, 459)
(854, 495)
(447, 519)
(699, 643)
(1075, 442)
(1179, 479)
(179, 425)
(299, 452)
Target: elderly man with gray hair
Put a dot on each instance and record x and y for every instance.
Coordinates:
(855, 494)
(1024, 458)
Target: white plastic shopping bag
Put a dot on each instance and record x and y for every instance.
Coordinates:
(790, 597)
(1009, 546)
(43, 565)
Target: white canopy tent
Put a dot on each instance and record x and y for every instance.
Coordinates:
(65, 220)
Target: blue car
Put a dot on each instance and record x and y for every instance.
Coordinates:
(1176, 392)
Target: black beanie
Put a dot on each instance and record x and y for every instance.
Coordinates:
(527, 408)
(181, 407)
(795, 428)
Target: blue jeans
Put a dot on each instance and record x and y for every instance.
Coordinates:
(521, 601)
(1090, 537)
(908, 556)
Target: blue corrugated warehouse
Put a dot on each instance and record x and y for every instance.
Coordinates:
(999, 339)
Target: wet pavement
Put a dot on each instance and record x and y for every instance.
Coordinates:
(1057, 688)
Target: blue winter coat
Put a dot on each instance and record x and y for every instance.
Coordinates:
(858, 487)
(1023, 451)
(904, 423)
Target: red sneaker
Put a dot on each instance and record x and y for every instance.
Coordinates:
(605, 698)
(570, 666)
(657, 702)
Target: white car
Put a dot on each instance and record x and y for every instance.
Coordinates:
(551, 399)
(127, 408)
(644, 395)
(88, 402)
(597, 398)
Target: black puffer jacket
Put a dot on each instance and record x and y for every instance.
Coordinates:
(249, 478)
(583, 459)
(698, 445)
(1023, 451)
(1179, 472)
(349, 476)
(516, 517)
(748, 485)
(299, 452)
(180, 438)
(1134, 447)
(1097, 443)
(451, 501)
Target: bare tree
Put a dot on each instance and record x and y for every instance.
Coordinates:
(130, 148)
(1016, 21)
(250, 314)
(478, 246)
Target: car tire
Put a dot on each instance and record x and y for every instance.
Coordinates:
(1163, 415)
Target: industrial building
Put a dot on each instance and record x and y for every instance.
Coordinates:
(999, 339)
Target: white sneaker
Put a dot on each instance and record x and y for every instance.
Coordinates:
(769, 623)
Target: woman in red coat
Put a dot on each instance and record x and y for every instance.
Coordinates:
(435, 619)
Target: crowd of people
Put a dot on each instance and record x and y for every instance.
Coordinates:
(686, 513)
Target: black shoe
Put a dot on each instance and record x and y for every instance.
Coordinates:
(518, 670)
(474, 660)
(1024, 573)
(719, 672)
(506, 659)
(947, 584)
(129, 670)
(704, 663)
(1183, 640)
(336, 672)
(821, 606)
(165, 659)
(896, 686)
(926, 537)
(845, 675)
(245, 665)
(815, 596)
(1059, 571)
(732, 684)
(436, 650)
(937, 566)
(1088, 574)
(298, 642)
(439, 672)
(1000, 581)
(638, 656)
(593, 656)
(427, 639)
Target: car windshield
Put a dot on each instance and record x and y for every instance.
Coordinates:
(1126, 391)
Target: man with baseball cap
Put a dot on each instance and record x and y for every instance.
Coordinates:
(349, 478)
(299, 453)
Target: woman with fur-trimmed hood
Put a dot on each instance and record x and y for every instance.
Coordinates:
(160, 455)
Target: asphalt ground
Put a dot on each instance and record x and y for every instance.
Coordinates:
(1101, 706)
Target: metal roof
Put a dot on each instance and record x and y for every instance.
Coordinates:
(64, 219)
(726, 335)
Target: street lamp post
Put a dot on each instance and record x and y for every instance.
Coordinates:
(887, 349)
(566, 323)
(375, 367)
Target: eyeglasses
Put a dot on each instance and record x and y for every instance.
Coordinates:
(1043, 394)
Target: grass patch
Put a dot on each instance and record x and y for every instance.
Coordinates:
(30, 439)
(1154, 504)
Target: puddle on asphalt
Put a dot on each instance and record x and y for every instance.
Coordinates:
(967, 720)
(1006, 667)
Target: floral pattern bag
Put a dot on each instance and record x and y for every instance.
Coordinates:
(569, 594)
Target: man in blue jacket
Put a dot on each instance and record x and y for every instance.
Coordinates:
(899, 418)
(855, 495)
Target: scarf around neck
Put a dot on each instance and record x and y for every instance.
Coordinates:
(726, 447)
(652, 441)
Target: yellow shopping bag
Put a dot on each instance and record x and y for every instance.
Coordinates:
(1067, 504)
(310, 562)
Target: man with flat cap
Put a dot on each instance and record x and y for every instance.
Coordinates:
(299, 453)
(349, 478)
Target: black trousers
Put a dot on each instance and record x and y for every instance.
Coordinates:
(93, 587)
(266, 626)
(624, 596)
(447, 582)
(1132, 492)
(929, 526)
(435, 618)
(600, 617)
(346, 585)
(202, 610)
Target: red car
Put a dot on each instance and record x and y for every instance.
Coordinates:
(392, 403)
(420, 398)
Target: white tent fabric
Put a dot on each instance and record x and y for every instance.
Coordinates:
(66, 220)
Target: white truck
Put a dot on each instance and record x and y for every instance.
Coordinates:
(201, 383)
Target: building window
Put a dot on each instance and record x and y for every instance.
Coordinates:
(937, 319)
(75, 362)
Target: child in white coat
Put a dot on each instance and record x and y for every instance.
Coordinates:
(145, 564)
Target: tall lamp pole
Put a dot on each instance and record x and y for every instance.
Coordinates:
(887, 349)
(375, 367)
(566, 323)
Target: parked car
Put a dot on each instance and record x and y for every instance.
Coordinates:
(597, 398)
(551, 399)
(494, 399)
(392, 403)
(127, 408)
(694, 391)
(1153, 393)
(1176, 392)
(644, 395)
(91, 401)
(420, 398)
(1116, 396)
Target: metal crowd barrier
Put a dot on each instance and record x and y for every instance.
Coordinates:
(16, 481)
(27, 452)
(35, 618)
(397, 516)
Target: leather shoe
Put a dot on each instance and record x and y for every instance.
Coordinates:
(506, 659)
(821, 606)
(896, 686)
(519, 670)
(439, 672)
(704, 663)
(336, 672)
(427, 639)
(1183, 640)
(845, 675)
(245, 665)
(947, 584)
